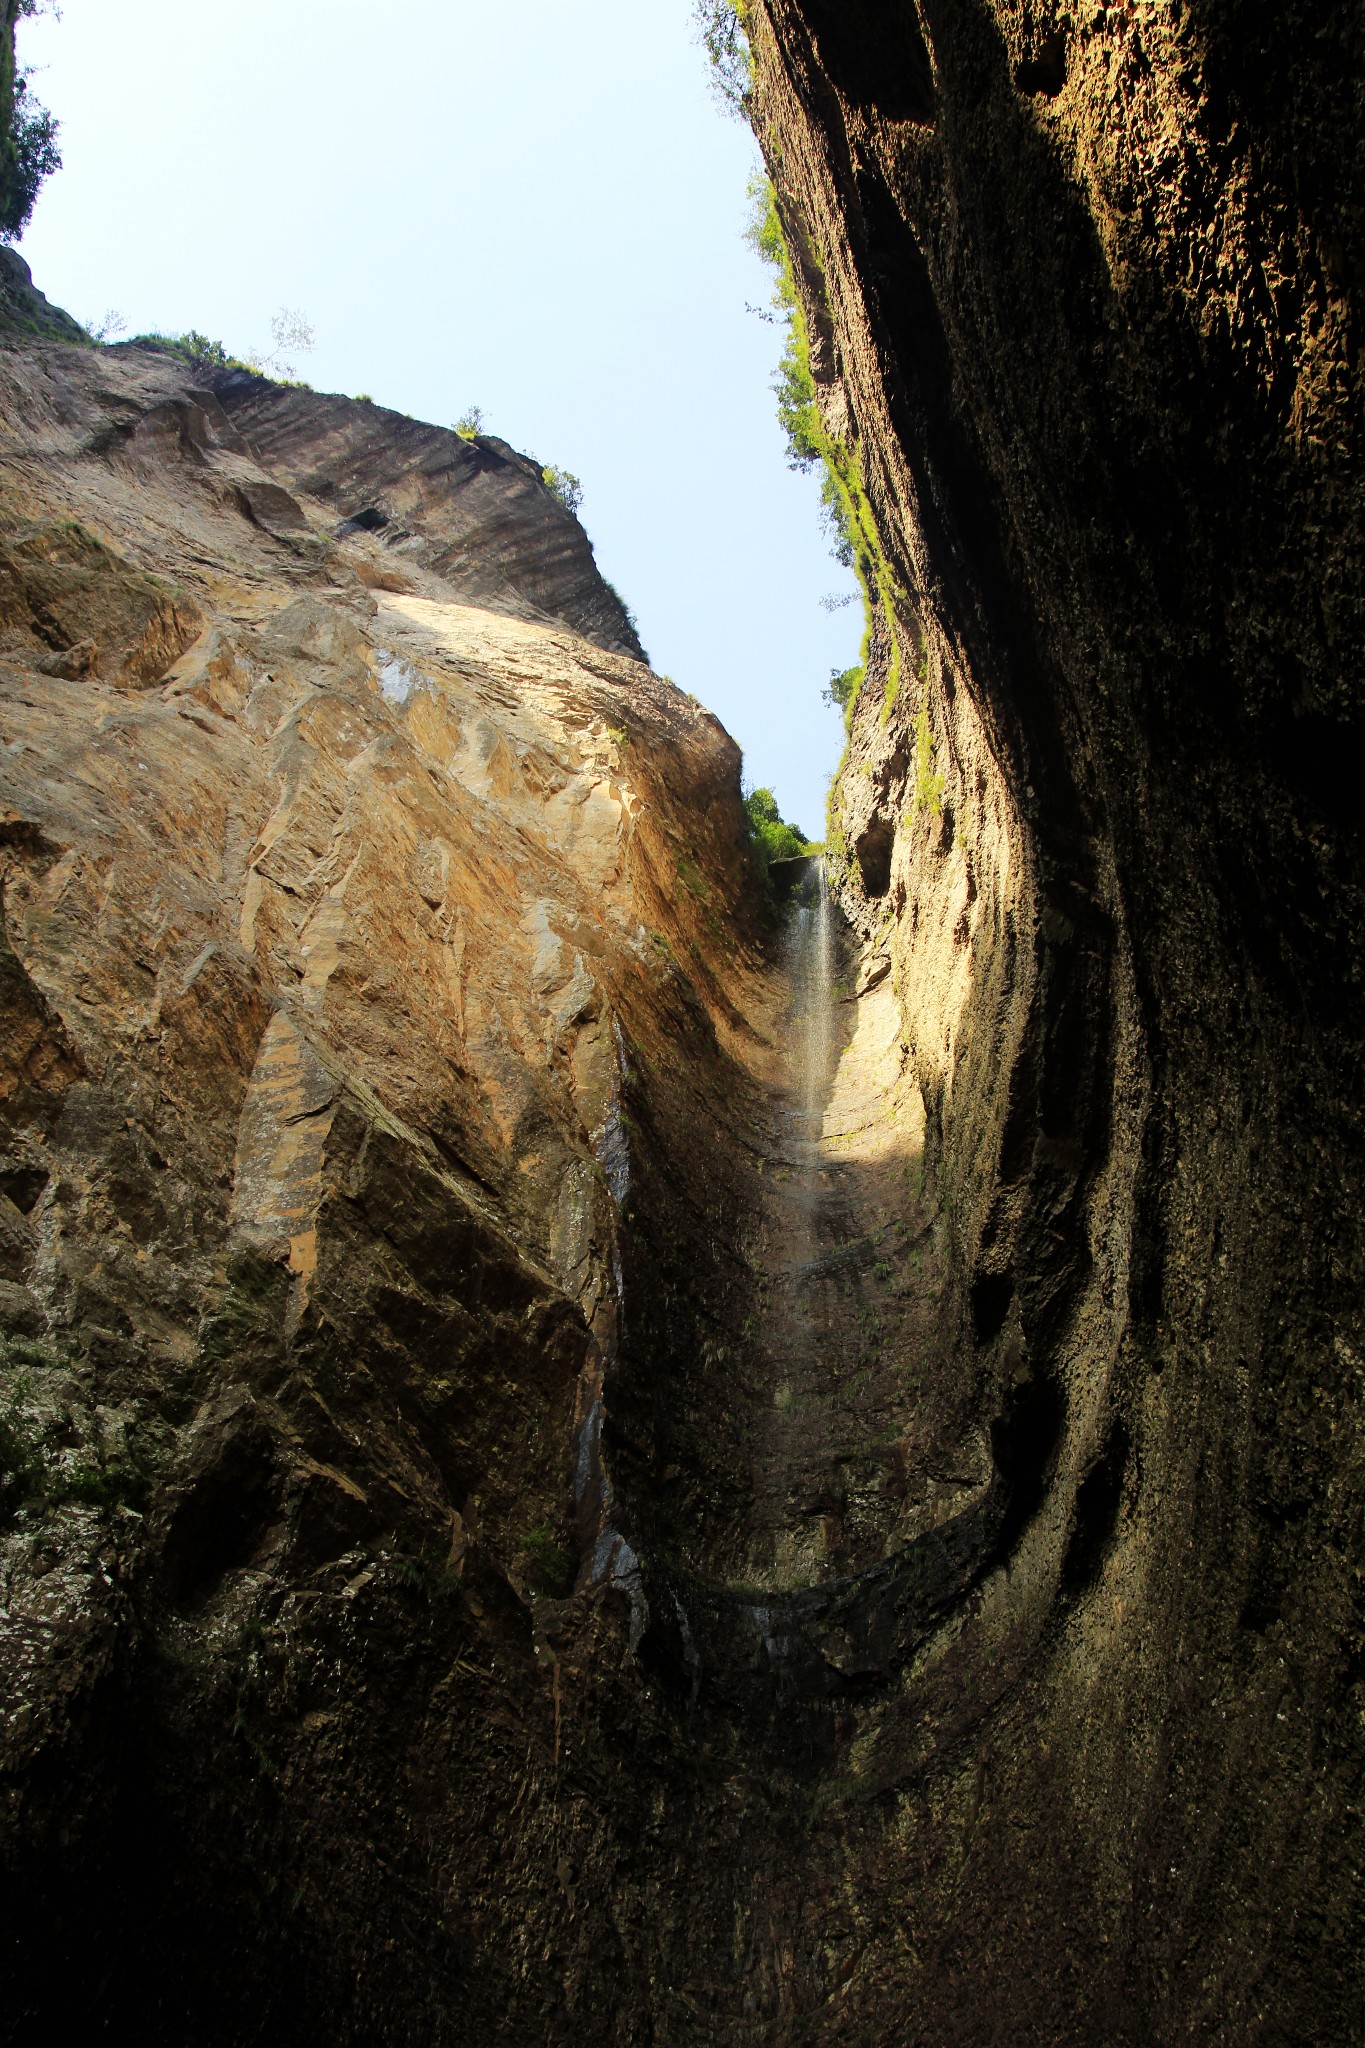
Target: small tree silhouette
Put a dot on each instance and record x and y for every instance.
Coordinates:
(292, 335)
(28, 133)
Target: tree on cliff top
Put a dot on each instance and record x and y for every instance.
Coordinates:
(770, 836)
(28, 133)
(720, 30)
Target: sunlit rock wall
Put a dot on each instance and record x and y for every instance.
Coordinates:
(341, 889)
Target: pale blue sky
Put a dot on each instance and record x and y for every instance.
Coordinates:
(534, 209)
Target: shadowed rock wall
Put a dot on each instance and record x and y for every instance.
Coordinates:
(525, 1518)
(1083, 283)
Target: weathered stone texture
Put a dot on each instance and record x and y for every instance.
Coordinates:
(334, 906)
(1082, 283)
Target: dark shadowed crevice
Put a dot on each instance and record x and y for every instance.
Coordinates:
(1098, 1500)
(874, 849)
(1024, 1443)
(991, 1295)
(875, 53)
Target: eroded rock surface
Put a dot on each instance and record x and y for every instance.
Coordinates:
(471, 508)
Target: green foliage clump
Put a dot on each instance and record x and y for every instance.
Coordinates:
(722, 30)
(836, 846)
(30, 1473)
(564, 485)
(551, 1565)
(842, 690)
(844, 503)
(201, 353)
(193, 348)
(22, 1466)
(470, 424)
(28, 132)
(928, 794)
(766, 823)
(422, 1563)
(101, 1483)
(770, 835)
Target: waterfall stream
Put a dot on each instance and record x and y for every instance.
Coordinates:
(812, 973)
(810, 968)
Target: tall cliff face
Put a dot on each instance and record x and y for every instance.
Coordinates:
(348, 891)
(1081, 285)
(577, 1468)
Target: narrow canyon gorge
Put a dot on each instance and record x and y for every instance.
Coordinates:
(595, 1450)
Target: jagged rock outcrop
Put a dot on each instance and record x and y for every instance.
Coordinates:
(25, 311)
(470, 508)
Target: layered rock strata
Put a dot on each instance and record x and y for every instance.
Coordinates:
(479, 1355)
(337, 908)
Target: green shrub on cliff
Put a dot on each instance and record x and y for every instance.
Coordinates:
(22, 1469)
(36, 1470)
(721, 29)
(193, 348)
(843, 502)
(564, 485)
(201, 353)
(770, 836)
(842, 688)
(928, 781)
(551, 1566)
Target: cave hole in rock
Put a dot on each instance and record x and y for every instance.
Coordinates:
(371, 520)
(1024, 1441)
(874, 849)
(991, 1297)
(226, 1520)
(1043, 75)
(23, 1185)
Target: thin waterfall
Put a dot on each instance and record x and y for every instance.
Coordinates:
(811, 962)
(791, 1552)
